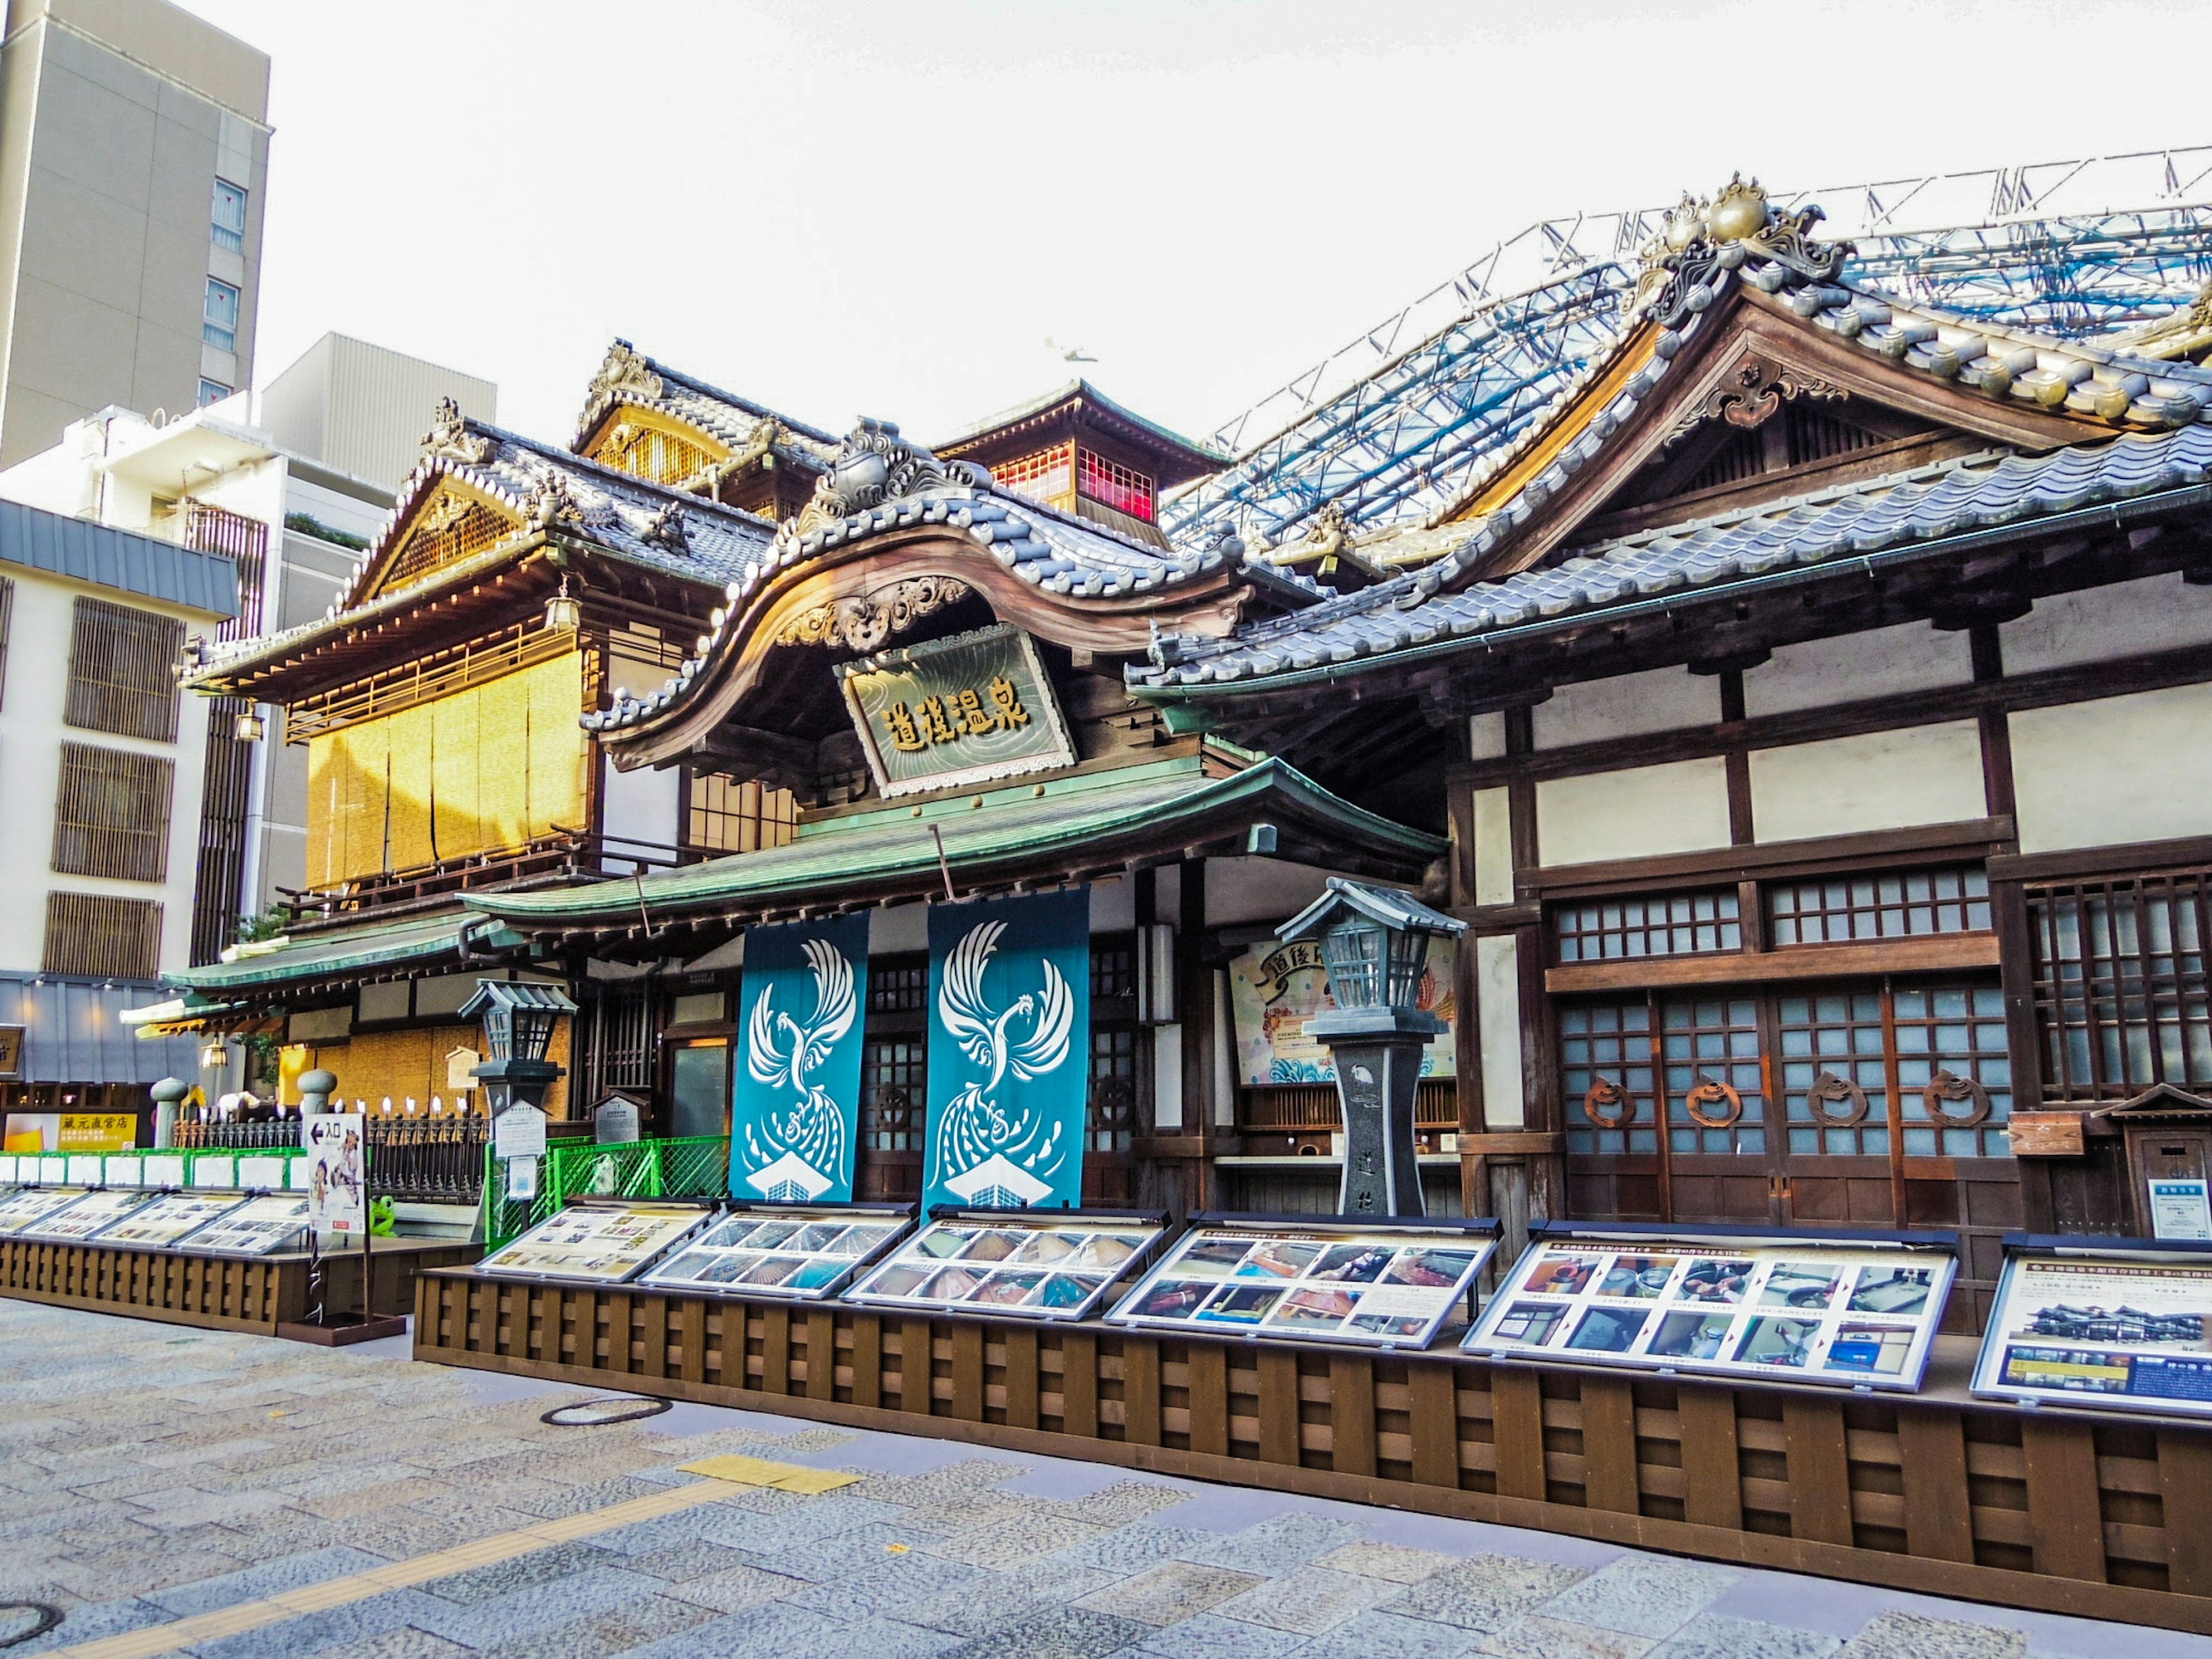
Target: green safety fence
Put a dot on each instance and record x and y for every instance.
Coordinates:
(696, 1167)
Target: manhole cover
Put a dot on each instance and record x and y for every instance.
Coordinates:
(599, 1413)
(22, 1621)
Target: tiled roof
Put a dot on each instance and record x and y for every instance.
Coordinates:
(371, 947)
(1054, 551)
(627, 376)
(1991, 490)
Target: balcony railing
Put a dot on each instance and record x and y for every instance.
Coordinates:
(411, 1160)
(564, 858)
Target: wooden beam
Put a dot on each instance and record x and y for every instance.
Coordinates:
(1800, 961)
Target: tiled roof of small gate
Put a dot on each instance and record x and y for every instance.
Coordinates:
(1986, 491)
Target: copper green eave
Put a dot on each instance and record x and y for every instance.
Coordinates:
(1027, 833)
(373, 950)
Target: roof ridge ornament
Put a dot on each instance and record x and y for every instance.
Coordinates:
(873, 465)
(1703, 239)
(449, 436)
(623, 373)
(551, 502)
(668, 529)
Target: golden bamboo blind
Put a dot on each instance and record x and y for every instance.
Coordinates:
(101, 937)
(112, 813)
(122, 673)
(484, 769)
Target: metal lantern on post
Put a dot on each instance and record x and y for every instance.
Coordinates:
(1375, 947)
(518, 1021)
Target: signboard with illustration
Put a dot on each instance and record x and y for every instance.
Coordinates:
(969, 709)
(1274, 989)
(2101, 1323)
(1009, 1051)
(794, 1116)
(337, 1174)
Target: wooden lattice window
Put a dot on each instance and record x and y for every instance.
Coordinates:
(1112, 1120)
(1048, 476)
(897, 986)
(622, 1039)
(1648, 925)
(724, 816)
(451, 528)
(2122, 998)
(893, 1085)
(111, 814)
(1892, 904)
(1700, 1056)
(1114, 967)
(649, 452)
(95, 937)
(1121, 488)
(122, 675)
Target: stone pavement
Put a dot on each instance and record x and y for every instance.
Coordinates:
(150, 1473)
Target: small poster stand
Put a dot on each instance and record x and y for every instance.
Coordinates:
(336, 1144)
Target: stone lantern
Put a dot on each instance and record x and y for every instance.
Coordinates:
(1374, 946)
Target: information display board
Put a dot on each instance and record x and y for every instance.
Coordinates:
(1035, 1264)
(799, 1250)
(2116, 1324)
(169, 1219)
(260, 1226)
(1346, 1280)
(1852, 1310)
(605, 1241)
(86, 1217)
(33, 1204)
(7, 1169)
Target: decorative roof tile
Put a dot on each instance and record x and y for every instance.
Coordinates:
(628, 377)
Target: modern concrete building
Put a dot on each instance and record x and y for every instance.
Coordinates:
(362, 409)
(134, 148)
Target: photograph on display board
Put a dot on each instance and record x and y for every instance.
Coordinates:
(1371, 1285)
(792, 1250)
(2124, 1330)
(1833, 1310)
(168, 1219)
(1052, 1266)
(605, 1242)
(86, 1217)
(24, 1208)
(260, 1226)
(1274, 989)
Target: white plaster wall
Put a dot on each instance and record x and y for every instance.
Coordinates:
(1493, 847)
(895, 928)
(2122, 620)
(2116, 770)
(32, 732)
(1113, 906)
(1626, 706)
(1497, 1001)
(1877, 780)
(1249, 889)
(1681, 806)
(1485, 734)
(642, 805)
(1882, 662)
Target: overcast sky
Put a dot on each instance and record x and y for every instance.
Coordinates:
(844, 207)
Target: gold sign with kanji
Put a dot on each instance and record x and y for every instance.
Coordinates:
(950, 712)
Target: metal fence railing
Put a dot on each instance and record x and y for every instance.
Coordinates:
(411, 1160)
(689, 1167)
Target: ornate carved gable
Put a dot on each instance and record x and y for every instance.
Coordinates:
(657, 448)
(451, 522)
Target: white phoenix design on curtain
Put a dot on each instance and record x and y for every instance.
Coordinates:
(973, 1129)
(781, 1053)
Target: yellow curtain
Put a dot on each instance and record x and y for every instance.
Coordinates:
(503, 761)
(324, 849)
(364, 766)
(412, 733)
(454, 775)
(558, 746)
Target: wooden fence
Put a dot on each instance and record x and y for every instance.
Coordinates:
(1938, 1494)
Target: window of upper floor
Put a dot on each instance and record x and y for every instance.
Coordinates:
(219, 318)
(228, 216)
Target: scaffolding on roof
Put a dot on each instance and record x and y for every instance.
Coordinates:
(1387, 426)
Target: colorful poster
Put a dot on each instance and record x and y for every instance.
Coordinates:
(1376, 1286)
(337, 1174)
(1804, 1310)
(1274, 989)
(1049, 1266)
(791, 1251)
(607, 1243)
(2128, 1330)
(1009, 1051)
(795, 1106)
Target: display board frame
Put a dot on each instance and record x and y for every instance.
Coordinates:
(1263, 1303)
(1732, 1286)
(898, 1220)
(573, 1215)
(44, 1230)
(946, 1222)
(2067, 1255)
(116, 1231)
(286, 1244)
(29, 1198)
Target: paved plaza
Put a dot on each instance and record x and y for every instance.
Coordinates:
(171, 1491)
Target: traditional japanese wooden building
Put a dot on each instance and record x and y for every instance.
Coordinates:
(1806, 714)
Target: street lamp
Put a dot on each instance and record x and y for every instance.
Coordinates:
(1374, 946)
(518, 1021)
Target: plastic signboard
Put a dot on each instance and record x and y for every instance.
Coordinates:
(164, 1170)
(1029, 1264)
(604, 1241)
(215, 1169)
(800, 1251)
(87, 1216)
(334, 1150)
(7, 1169)
(84, 1168)
(2111, 1324)
(125, 1169)
(1855, 1310)
(169, 1219)
(261, 1173)
(260, 1226)
(1339, 1280)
